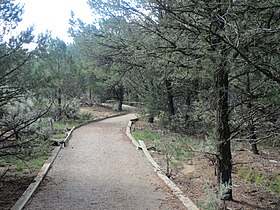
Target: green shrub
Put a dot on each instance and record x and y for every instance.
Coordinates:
(274, 185)
(71, 108)
(37, 162)
(32, 163)
(68, 109)
(20, 165)
(3, 163)
(171, 146)
(27, 127)
(251, 175)
(214, 201)
(42, 128)
(85, 115)
(146, 135)
(58, 136)
(59, 125)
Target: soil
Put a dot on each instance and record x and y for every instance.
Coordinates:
(198, 173)
(13, 183)
(11, 188)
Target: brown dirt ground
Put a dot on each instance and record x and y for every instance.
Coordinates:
(199, 172)
(14, 183)
(99, 111)
(12, 187)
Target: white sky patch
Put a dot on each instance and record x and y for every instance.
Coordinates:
(53, 15)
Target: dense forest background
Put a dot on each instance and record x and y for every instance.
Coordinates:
(204, 68)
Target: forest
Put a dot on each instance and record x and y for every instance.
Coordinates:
(205, 69)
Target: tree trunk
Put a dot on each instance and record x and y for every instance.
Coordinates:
(252, 133)
(90, 96)
(120, 96)
(170, 98)
(59, 101)
(120, 104)
(224, 164)
(224, 159)
(254, 147)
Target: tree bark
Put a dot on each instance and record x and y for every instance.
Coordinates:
(224, 159)
(90, 96)
(170, 98)
(252, 133)
(120, 105)
(254, 147)
(221, 80)
(59, 101)
(120, 96)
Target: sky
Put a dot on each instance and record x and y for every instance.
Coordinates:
(53, 15)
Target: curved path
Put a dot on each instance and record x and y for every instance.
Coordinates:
(101, 169)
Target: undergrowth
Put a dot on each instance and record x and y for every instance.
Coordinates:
(174, 148)
(31, 164)
(258, 178)
(146, 135)
(274, 185)
(215, 200)
(62, 126)
(36, 163)
(254, 176)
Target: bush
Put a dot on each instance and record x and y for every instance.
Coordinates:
(172, 147)
(22, 124)
(251, 175)
(42, 128)
(275, 185)
(214, 201)
(71, 108)
(146, 135)
(20, 165)
(67, 110)
(85, 115)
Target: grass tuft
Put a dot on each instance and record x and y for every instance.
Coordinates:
(20, 165)
(3, 163)
(33, 163)
(146, 135)
(58, 136)
(251, 175)
(274, 185)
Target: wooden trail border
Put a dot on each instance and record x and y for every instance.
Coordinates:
(172, 186)
(23, 200)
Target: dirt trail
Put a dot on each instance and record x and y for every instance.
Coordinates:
(101, 169)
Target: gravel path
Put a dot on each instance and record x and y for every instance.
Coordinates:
(101, 169)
